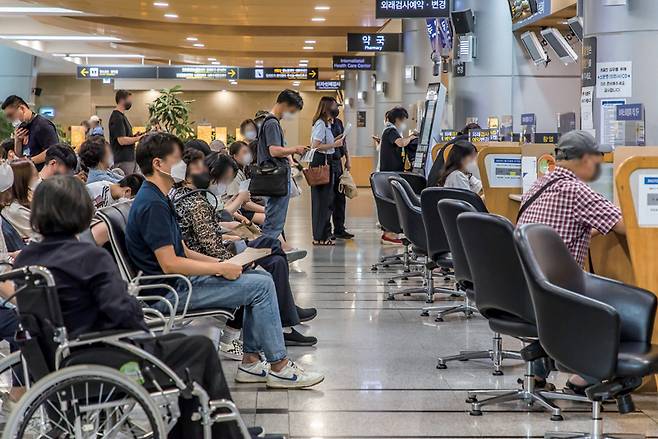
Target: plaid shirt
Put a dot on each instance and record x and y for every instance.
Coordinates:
(572, 208)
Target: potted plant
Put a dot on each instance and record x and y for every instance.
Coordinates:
(173, 113)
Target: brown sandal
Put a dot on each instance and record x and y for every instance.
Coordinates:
(324, 243)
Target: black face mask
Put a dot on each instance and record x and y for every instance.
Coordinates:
(334, 112)
(201, 181)
(129, 105)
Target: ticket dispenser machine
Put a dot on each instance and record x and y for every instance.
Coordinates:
(430, 129)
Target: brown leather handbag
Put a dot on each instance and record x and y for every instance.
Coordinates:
(318, 175)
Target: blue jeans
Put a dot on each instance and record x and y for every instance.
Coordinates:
(256, 292)
(276, 211)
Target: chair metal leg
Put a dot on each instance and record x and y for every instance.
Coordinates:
(527, 394)
(497, 355)
(443, 311)
(428, 287)
(597, 429)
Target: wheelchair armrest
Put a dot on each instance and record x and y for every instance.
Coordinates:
(99, 336)
(636, 307)
(137, 281)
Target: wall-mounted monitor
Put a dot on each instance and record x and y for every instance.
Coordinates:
(463, 22)
(534, 48)
(576, 25)
(560, 45)
(522, 9)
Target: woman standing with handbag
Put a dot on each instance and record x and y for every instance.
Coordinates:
(319, 175)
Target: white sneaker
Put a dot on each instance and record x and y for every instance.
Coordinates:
(253, 373)
(293, 377)
(232, 350)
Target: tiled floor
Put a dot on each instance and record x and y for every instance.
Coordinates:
(379, 358)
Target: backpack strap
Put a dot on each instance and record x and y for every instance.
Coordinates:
(534, 198)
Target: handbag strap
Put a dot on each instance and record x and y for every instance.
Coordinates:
(534, 198)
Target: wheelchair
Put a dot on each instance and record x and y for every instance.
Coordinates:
(96, 385)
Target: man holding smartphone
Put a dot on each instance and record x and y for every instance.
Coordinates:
(33, 133)
(122, 139)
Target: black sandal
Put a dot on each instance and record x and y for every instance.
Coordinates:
(575, 388)
(324, 243)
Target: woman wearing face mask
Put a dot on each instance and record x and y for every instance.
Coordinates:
(240, 152)
(459, 168)
(322, 196)
(222, 170)
(393, 142)
(249, 130)
(96, 154)
(202, 233)
(26, 179)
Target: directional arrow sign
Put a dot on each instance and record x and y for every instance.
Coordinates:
(232, 73)
(281, 73)
(112, 72)
(84, 72)
(313, 73)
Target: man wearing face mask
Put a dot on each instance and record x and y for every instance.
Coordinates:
(271, 148)
(391, 152)
(122, 139)
(33, 133)
(563, 200)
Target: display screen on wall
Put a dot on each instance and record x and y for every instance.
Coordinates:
(374, 42)
(354, 63)
(522, 9)
(412, 8)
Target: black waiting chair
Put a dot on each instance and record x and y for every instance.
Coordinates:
(502, 296)
(589, 325)
(417, 182)
(413, 227)
(437, 240)
(387, 215)
(449, 211)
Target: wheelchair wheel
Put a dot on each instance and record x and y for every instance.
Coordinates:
(85, 402)
(11, 372)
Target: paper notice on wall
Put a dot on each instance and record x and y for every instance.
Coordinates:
(587, 108)
(614, 80)
(529, 171)
(609, 126)
(647, 201)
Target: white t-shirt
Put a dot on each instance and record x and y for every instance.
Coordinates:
(322, 133)
(460, 180)
(100, 194)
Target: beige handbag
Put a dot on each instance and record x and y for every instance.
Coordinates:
(347, 186)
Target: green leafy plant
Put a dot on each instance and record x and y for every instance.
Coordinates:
(5, 127)
(173, 113)
(230, 138)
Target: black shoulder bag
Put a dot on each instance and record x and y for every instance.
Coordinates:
(537, 194)
(270, 178)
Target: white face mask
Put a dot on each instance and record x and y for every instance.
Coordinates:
(35, 184)
(288, 115)
(472, 167)
(110, 161)
(6, 177)
(218, 189)
(403, 128)
(16, 123)
(246, 159)
(178, 172)
(250, 135)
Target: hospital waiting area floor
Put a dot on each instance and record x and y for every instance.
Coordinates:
(379, 357)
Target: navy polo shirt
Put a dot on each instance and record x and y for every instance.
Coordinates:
(151, 225)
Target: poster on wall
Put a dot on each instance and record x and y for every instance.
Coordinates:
(614, 80)
(587, 108)
(647, 201)
(609, 120)
(361, 119)
(588, 73)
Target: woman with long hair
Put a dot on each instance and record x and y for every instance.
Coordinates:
(324, 143)
(26, 179)
(459, 168)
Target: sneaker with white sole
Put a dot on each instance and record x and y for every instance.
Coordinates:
(293, 377)
(232, 350)
(253, 373)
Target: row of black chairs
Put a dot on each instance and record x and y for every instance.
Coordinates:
(528, 286)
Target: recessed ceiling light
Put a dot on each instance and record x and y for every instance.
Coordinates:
(192, 39)
(105, 55)
(171, 15)
(59, 55)
(322, 8)
(160, 4)
(199, 45)
(215, 63)
(303, 60)
(303, 64)
(308, 47)
(212, 59)
(37, 10)
(59, 38)
(309, 42)
(259, 61)
(296, 83)
(233, 82)
(318, 19)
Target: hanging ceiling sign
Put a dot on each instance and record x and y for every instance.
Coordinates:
(412, 8)
(197, 72)
(354, 63)
(282, 73)
(118, 72)
(374, 42)
(329, 85)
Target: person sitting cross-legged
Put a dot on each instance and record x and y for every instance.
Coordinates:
(202, 233)
(155, 244)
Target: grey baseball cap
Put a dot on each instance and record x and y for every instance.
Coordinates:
(577, 143)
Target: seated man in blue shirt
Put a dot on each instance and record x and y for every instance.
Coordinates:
(155, 244)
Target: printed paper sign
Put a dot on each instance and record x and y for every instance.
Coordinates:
(614, 80)
(647, 203)
(587, 108)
